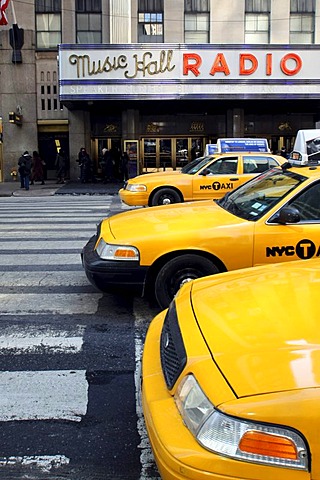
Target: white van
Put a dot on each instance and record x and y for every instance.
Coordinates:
(306, 149)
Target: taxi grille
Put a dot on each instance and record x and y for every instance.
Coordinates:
(172, 352)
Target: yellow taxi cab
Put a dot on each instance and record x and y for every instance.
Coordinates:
(231, 377)
(212, 177)
(275, 217)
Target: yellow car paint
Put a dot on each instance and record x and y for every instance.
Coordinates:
(251, 338)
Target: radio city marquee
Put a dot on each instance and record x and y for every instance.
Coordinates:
(166, 71)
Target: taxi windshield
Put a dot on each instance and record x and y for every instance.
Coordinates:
(259, 195)
(195, 165)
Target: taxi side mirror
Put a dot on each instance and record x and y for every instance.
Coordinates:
(288, 215)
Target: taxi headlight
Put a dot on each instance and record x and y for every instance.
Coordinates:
(241, 440)
(136, 187)
(107, 251)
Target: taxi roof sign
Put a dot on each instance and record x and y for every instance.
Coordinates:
(211, 148)
(227, 145)
(306, 149)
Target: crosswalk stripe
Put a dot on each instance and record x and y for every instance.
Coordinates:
(66, 244)
(43, 395)
(38, 259)
(29, 339)
(38, 303)
(47, 279)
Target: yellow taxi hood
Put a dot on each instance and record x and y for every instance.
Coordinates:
(143, 179)
(262, 326)
(166, 220)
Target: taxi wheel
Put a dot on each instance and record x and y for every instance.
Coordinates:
(165, 196)
(178, 271)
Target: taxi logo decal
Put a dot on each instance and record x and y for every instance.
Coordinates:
(304, 249)
(217, 186)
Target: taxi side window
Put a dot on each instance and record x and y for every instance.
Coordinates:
(224, 166)
(308, 203)
(257, 164)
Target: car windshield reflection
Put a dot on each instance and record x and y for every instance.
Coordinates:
(256, 197)
(195, 165)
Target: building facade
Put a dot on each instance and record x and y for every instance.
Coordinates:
(156, 78)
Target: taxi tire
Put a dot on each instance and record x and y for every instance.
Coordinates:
(178, 271)
(165, 193)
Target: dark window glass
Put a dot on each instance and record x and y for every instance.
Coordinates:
(150, 21)
(196, 5)
(88, 6)
(150, 6)
(48, 6)
(88, 18)
(258, 6)
(302, 6)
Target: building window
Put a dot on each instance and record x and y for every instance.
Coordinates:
(302, 13)
(88, 18)
(257, 21)
(196, 21)
(49, 95)
(48, 24)
(150, 21)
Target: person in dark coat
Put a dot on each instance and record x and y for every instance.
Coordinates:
(108, 163)
(60, 165)
(24, 169)
(124, 166)
(85, 165)
(37, 173)
(283, 152)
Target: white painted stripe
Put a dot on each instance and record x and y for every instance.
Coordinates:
(43, 395)
(54, 207)
(43, 279)
(40, 304)
(43, 227)
(41, 259)
(45, 463)
(47, 218)
(23, 340)
(40, 244)
(146, 455)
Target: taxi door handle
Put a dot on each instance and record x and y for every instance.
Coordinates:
(234, 179)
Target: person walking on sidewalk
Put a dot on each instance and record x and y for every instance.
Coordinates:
(37, 169)
(61, 166)
(25, 165)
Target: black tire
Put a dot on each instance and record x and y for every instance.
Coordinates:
(165, 196)
(180, 270)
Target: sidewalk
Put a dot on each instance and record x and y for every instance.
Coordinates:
(8, 189)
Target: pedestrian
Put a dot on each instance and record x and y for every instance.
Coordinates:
(283, 152)
(103, 164)
(84, 161)
(124, 166)
(37, 173)
(25, 165)
(60, 165)
(108, 164)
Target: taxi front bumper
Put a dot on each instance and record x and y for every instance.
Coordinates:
(106, 275)
(133, 199)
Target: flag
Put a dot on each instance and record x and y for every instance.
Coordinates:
(3, 17)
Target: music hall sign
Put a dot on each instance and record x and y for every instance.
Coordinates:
(178, 71)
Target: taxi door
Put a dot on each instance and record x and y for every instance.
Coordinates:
(275, 243)
(217, 178)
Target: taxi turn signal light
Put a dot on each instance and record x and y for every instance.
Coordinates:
(259, 443)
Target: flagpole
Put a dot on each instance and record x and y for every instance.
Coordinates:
(13, 13)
